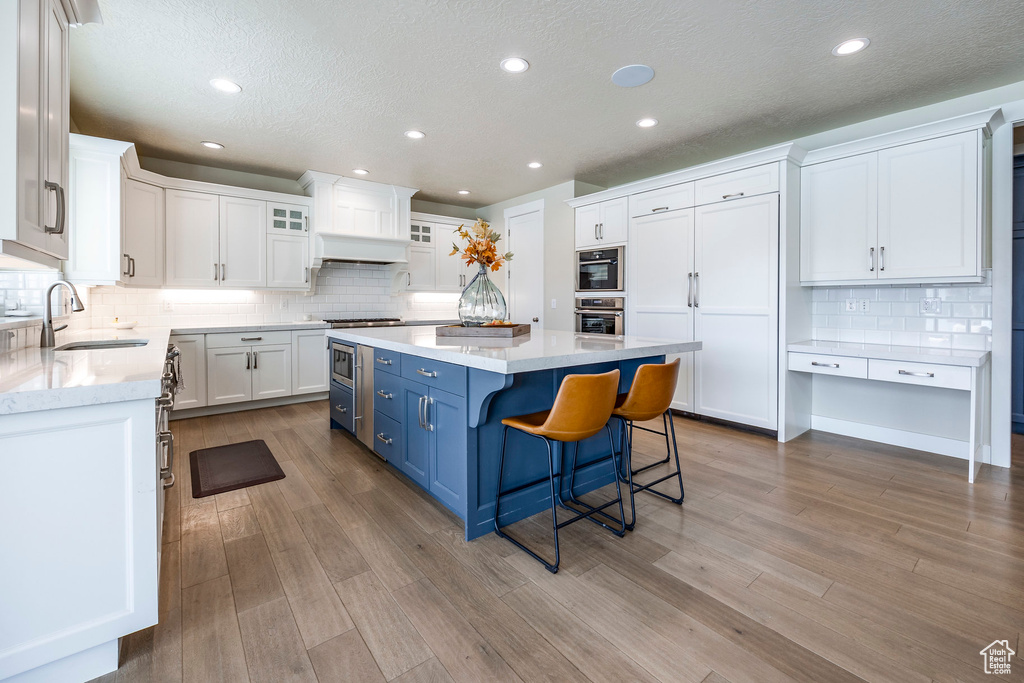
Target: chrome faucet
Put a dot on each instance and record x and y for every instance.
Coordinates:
(46, 339)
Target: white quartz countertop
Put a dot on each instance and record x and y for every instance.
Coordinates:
(44, 379)
(918, 354)
(266, 327)
(539, 350)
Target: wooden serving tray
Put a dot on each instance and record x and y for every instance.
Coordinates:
(502, 331)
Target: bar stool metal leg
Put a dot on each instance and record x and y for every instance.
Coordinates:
(591, 510)
(626, 465)
(673, 449)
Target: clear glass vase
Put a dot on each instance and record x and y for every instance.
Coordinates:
(481, 301)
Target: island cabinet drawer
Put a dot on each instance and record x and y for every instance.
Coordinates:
(225, 339)
(922, 374)
(387, 394)
(435, 374)
(387, 361)
(343, 406)
(659, 201)
(387, 437)
(843, 366)
(745, 183)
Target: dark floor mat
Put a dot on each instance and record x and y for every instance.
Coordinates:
(235, 466)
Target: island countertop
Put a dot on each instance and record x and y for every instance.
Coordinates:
(540, 350)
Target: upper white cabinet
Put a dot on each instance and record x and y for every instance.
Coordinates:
(243, 234)
(451, 273)
(116, 225)
(34, 96)
(287, 219)
(746, 182)
(604, 223)
(193, 239)
(287, 262)
(432, 267)
(902, 213)
(661, 200)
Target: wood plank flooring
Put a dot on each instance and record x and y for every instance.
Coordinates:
(825, 559)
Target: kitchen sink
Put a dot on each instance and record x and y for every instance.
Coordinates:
(101, 344)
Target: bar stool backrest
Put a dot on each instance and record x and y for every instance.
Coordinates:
(582, 406)
(651, 393)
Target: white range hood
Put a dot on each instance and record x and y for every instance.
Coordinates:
(361, 248)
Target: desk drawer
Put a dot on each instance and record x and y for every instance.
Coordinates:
(435, 374)
(922, 374)
(387, 438)
(738, 184)
(223, 339)
(387, 394)
(658, 201)
(842, 366)
(387, 361)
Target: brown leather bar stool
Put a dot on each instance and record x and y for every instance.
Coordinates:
(581, 409)
(650, 396)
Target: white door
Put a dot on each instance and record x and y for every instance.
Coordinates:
(193, 371)
(55, 123)
(272, 371)
(588, 219)
(420, 277)
(30, 74)
(193, 239)
(928, 208)
(524, 237)
(243, 242)
(309, 362)
(143, 227)
(736, 290)
(839, 219)
(660, 301)
(287, 262)
(450, 271)
(614, 223)
(228, 375)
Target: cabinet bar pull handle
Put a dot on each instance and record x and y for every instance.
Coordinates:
(409, 279)
(384, 361)
(696, 290)
(426, 373)
(917, 374)
(216, 273)
(384, 439)
(689, 290)
(341, 409)
(57, 229)
(871, 260)
(305, 275)
(255, 360)
(131, 266)
(223, 273)
(660, 208)
(252, 338)
(380, 392)
(248, 360)
(427, 402)
(824, 365)
(306, 221)
(602, 230)
(419, 410)
(127, 265)
(881, 258)
(734, 194)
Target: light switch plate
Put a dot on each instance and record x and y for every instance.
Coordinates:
(931, 305)
(864, 305)
(552, 303)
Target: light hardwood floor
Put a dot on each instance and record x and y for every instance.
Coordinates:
(825, 559)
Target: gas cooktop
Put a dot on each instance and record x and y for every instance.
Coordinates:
(343, 323)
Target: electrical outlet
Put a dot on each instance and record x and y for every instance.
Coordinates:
(168, 306)
(864, 305)
(284, 303)
(931, 305)
(851, 305)
(553, 302)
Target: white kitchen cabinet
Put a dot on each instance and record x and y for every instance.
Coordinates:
(839, 219)
(422, 269)
(143, 234)
(929, 211)
(736, 303)
(432, 267)
(362, 208)
(193, 239)
(192, 394)
(34, 77)
(309, 362)
(660, 286)
(287, 219)
(243, 234)
(272, 371)
(450, 272)
(604, 223)
(287, 261)
(746, 182)
(229, 374)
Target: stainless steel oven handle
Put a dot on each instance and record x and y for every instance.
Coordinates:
(598, 261)
(356, 367)
(166, 472)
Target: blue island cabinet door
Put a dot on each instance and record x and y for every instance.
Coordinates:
(415, 457)
(447, 416)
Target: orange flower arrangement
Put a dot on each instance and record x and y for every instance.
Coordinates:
(482, 246)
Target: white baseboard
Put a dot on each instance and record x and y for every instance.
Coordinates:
(248, 405)
(895, 437)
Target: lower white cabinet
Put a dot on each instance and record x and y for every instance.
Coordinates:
(192, 363)
(309, 362)
(287, 262)
(229, 375)
(271, 371)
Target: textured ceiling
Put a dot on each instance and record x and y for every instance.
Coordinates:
(332, 84)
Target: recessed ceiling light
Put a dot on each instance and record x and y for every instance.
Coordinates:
(632, 75)
(211, 145)
(463, 191)
(415, 134)
(535, 164)
(360, 171)
(849, 47)
(224, 85)
(647, 123)
(515, 65)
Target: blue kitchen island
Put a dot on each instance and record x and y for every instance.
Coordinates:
(438, 403)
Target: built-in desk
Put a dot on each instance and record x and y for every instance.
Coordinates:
(959, 370)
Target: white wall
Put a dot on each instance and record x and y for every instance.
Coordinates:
(424, 206)
(222, 176)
